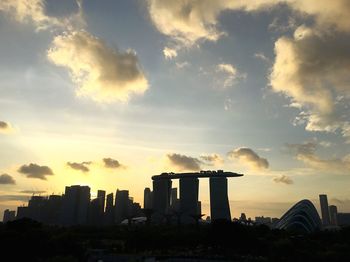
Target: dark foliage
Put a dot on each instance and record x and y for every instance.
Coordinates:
(221, 240)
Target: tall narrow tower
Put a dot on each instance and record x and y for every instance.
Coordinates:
(324, 210)
(188, 199)
(219, 205)
(161, 199)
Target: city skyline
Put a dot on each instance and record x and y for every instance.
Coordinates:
(109, 93)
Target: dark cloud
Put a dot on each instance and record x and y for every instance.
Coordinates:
(33, 192)
(111, 163)
(79, 166)
(249, 157)
(6, 179)
(183, 162)
(3, 125)
(35, 171)
(283, 179)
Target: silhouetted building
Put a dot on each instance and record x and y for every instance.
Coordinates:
(343, 219)
(147, 198)
(94, 216)
(75, 205)
(324, 210)
(263, 220)
(9, 215)
(109, 213)
(243, 217)
(122, 205)
(136, 210)
(333, 215)
(37, 208)
(101, 195)
(22, 212)
(302, 217)
(161, 199)
(188, 199)
(53, 210)
(219, 205)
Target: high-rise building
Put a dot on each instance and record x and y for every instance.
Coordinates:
(147, 198)
(324, 210)
(9, 215)
(94, 217)
(189, 199)
(109, 213)
(161, 199)
(53, 210)
(101, 195)
(122, 205)
(75, 205)
(37, 208)
(333, 215)
(219, 205)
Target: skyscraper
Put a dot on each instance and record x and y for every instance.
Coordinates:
(161, 199)
(324, 210)
(219, 205)
(147, 198)
(333, 215)
(75, 205)
(101, 195)
(122, 205)
(109, 213)
(188, 199)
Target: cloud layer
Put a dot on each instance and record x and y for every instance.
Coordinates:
(183, 162)
(6, 179)
(35, 171)
(101, 73)
(248, 157)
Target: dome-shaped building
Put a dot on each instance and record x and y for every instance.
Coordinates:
(302, 217)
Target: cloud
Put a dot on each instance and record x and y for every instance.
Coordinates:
(249, 157)
(6, 179)
(33, 192)
(306, 153)
(229, 74)
(169, 53)
(35, 171)
(35, 12)
(312, 70)
(262, 57)
(79, 166)
(212, 159)
(5, 128)
(101, 73)
(111, 163)
(283, 179)
(182, 162)
(182, 64)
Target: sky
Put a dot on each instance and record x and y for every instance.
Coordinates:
(109, 93)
